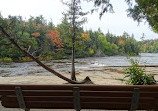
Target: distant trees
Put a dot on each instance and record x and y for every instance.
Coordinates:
(104, 46)
(149, 46)
(139, 10)
(10, 31)
(155, 47)
(44, 39)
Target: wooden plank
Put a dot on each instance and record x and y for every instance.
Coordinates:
(118, 106)
(7, 92)
(70, 93)
(82, 87)
(85, 105)
(83, 99)
(116, 99)
(106, 93)
(39, 98)
(37, 93)
(82, 93)
(40, 93)
(90, 93)
(40, 105)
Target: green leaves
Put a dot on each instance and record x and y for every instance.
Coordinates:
(141, 10)
(31, 35)
(136, 75)
(105, 5)
(145, 9)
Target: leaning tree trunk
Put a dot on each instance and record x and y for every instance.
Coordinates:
(85, 81)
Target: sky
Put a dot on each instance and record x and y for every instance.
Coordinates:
(116, 23)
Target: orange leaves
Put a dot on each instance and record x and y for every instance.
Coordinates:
(41, 26)
(85, 36)
(120, 37)
(35, 34)
(144, 47)
(121, 41)
(54, 36)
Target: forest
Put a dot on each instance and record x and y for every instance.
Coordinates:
(40, 39)
(44, 40)
(149, 46)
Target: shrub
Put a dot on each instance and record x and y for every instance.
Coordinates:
(6, 59)
(136, 75)
(25, 59)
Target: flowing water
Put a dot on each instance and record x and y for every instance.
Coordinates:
(32, 68)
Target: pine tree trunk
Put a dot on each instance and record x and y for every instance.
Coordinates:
(73, 76)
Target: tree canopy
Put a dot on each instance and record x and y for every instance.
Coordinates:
(145, 9)
(138, 10)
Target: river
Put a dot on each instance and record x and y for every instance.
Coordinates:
(32, 68)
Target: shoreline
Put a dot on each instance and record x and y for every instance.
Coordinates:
(98, 75)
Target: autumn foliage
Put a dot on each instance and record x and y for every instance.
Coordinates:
(121, 41)
(54, 36)
(41, 26)
(35, 34)
(42, 39)
(85, 36)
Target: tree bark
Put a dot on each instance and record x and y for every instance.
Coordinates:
(73, 76)
(85, 81)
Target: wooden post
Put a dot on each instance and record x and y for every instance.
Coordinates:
(135, 99)
(76, 95)
(20, 99)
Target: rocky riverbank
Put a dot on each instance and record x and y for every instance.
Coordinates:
(99, 75)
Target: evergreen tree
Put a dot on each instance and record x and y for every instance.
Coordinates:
(74, 14)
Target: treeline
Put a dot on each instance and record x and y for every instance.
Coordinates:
(149, 46)
(45, 40)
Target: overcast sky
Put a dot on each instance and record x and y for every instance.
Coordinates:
(116, 23)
